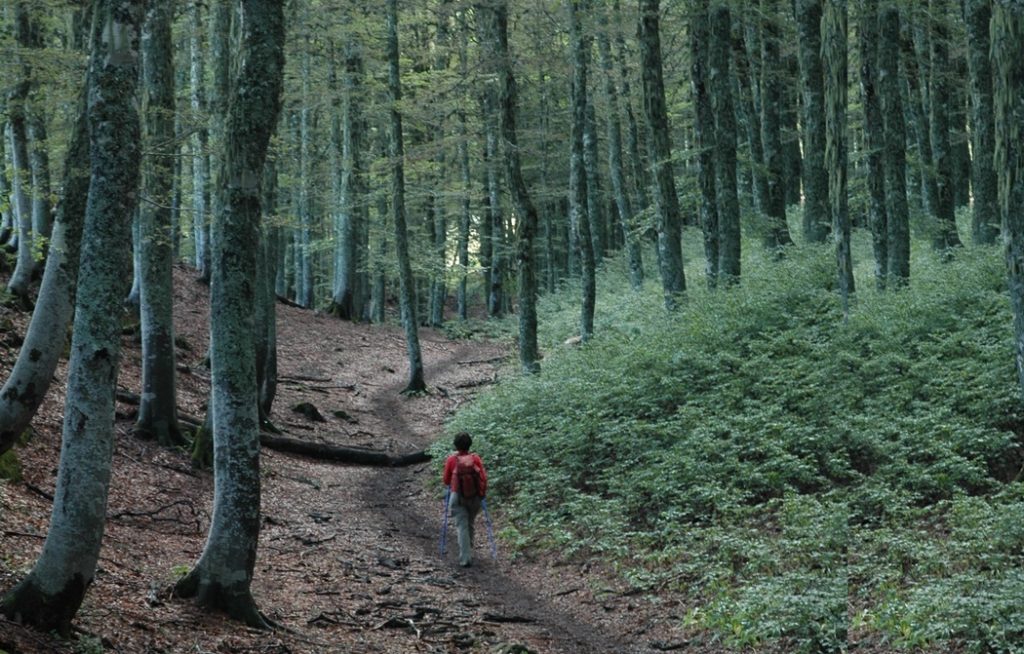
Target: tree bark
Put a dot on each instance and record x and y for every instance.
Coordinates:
(669, 219)
(816, 212)
(50, 595)
(772, 87)
(896, 208)
(985, 212)
(1008, 66)
(578, 207)
(158, 414)
(396, 153)
(874, 139)
(222, 577)
(834, 55)
(941, 92)
(17, 112)
(465, 177)
(727, 197)
(704, 135)
(200, 161)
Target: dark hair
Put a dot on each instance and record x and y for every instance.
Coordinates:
(463, 441)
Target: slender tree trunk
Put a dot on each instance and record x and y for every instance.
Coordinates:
(985, 212)
(874, 128)
(222, 577)
(790, 133)
(669, 220)
(304, 260)
(772, 91)
(465, 176)
(896, 209)
(1008, 67)
(595, 197)
(396, 153)
(158, 414)
(623, 199)
(17, 110)
(915, 50)
(268, 261)
(816, 211)
(50, 595)
(39, 162)
(529, 355)
(942, 151)
(200, 161)
(639, 172)
(7, 230)
(30, 378)
(704, 134)
(747, 63)
(578, 207)
(834, 55)
(727, 198)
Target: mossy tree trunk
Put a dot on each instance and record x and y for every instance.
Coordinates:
(51, 594)
(772, 94)
(817, 218)
(834, 55)
(704, 136)
(985, 211)
(30, 378)
(726, 193)
(158, 413)
(673, 279)
(623, 199)
(396, 154)
(874, 139)
(1008, 66)
(222, 577)
(940, 96)
(465, 180)
(199, 159)
(896, 206)
(17, 117)
(578, 207)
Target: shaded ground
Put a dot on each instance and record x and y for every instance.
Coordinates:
(348, 557)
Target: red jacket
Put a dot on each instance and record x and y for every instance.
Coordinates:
(449, 470)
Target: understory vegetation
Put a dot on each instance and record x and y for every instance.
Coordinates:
(805, 481)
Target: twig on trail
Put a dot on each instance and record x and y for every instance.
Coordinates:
(570, 591)
(302, 378)
(476, 382)
(482, 361)
(39, 491)
(506, 619)
(26, 535)
(314, 541)
(154, 514)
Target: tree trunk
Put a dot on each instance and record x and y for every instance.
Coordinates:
(727, 198)
(529, 355)
(772, 92)
(304, 249)
(640, 184)
(7, 230)
(816, 212)
(916, 60)
(200, 162)
(985, 213)
(942, 151)
(578, 207)
(465, 177)
(30, 378)
(874, 137)
(17, 106)
(39, 162)
(50, 595)
(396, 153)
(747, 62)
(834, 55)
(1008, 67)
(267, 336)
(896, 209)
(222, 577)
(704, 135)
(669, 220)
(158, 414)
(623, 199)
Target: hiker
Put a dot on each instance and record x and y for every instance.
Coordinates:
(464, 474)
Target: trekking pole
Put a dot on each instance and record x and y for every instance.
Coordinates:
(490, 529)
(444, 520)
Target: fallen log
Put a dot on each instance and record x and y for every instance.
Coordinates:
(359, 456)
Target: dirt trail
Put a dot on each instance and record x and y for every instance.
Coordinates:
(348, 558)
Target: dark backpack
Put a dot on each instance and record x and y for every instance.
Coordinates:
(466, 476)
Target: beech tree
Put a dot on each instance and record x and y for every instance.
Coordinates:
(17, 117)
(874, 137)
(834, 45)
(727, 198)
(50, 595)
(222, 577)
(985, 210)
(896, 208)
(673, 278)
(158, 413)
(816, 212)
(579, 207)
(704, 131)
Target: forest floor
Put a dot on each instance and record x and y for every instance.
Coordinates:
(348, 556)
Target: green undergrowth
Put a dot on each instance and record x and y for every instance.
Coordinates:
(808, 483)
